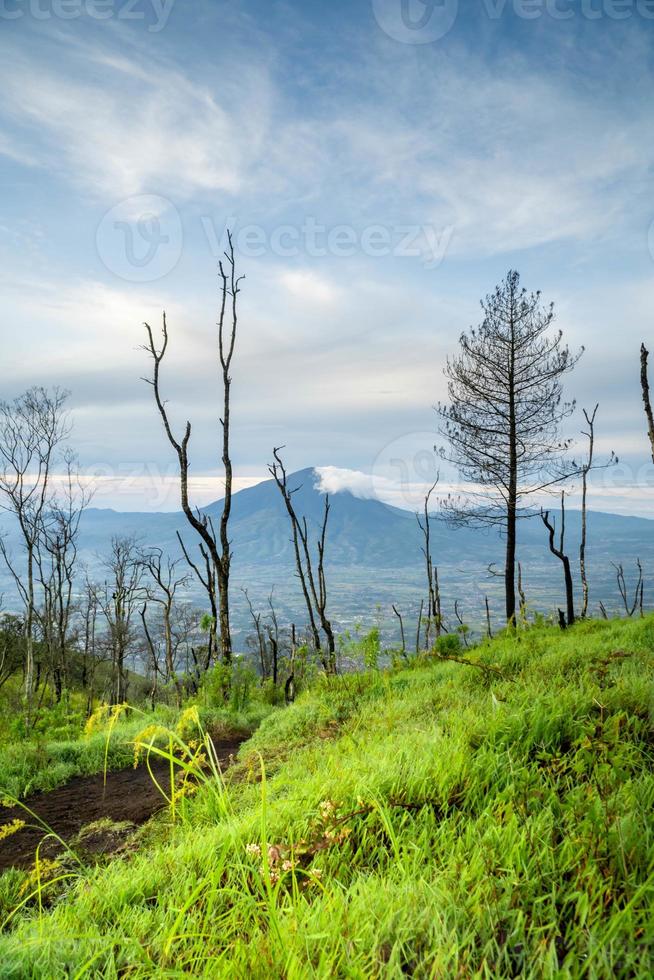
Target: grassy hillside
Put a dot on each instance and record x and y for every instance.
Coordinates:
(438, 821)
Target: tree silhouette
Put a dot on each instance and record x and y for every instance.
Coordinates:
(503, 419)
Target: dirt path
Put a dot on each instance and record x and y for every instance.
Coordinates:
(129, 795)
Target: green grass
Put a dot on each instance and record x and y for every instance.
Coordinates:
(438, 821)
(29, 766)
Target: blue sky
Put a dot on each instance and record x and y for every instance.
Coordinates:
(381, 175)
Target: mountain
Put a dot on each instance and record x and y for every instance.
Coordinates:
(373, 550)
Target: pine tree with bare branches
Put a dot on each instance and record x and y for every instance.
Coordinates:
(502, 422)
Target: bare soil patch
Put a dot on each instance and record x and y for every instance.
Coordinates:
(128, 797)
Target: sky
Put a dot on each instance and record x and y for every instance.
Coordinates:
(381, 163)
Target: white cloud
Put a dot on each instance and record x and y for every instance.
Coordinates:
(120, 125)
(309, 287)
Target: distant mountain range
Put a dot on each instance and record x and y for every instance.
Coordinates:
(373, 552)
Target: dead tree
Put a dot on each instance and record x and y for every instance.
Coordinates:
(88, 609)
(313, 581)
(559, 553)
(422, 606)
(489, 631)
(11, 645)
(644, 384)
(401, 621)
(585, 470)
(630, 607)
(227, 328)
(122, 594)
(462, 628)
(522, 597)
(272, 630)
(207, 578)
(505, 411)
(289, 686)
(163, 591)
(154, 655)
(433, 591)
(32, 428)
(261, 640)
(55, 560)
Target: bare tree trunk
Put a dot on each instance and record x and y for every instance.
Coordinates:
(433, 591)
(208, 580)
(644, 384)
(315, 596)
(512, 503)
(422, 606)
(230, 288)
(198, 521)
(399, 616)
(588, 465)
(563, 558)
(256, 619)
(289, 686)
(630, 607)
(523, 598)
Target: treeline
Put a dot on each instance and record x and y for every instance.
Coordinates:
(501, 427)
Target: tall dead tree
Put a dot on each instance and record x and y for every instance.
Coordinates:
(644, 385)
(559, 552)
(220, 551)
(586, 468)
(504, 415)
(32, 429)
(434, 616)
(312, 580)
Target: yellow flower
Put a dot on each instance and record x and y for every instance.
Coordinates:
(189, 721)
(102, 714)
(45, 870)
(11, 828)
(145, 739)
